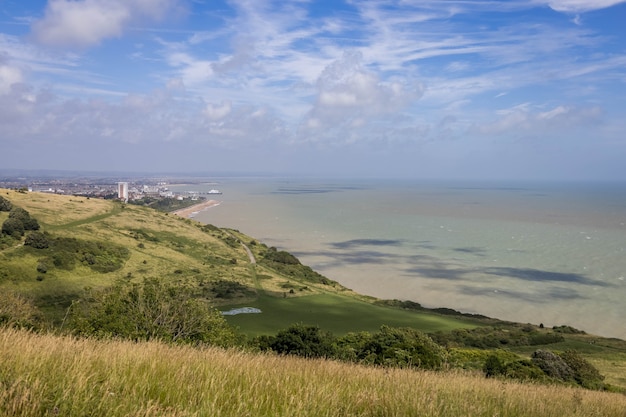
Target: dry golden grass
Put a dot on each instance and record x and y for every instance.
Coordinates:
(53, 209)
(49, 375)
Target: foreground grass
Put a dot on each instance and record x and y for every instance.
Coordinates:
(50, 375)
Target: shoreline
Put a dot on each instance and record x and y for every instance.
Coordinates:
(191, 211)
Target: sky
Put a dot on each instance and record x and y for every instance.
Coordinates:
(450, 89)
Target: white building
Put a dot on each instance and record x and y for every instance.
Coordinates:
(122, 191)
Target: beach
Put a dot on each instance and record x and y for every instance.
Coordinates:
(191, 211)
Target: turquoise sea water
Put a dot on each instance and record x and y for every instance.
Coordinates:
(537, 253)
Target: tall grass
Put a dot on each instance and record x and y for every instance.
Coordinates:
(43, 375)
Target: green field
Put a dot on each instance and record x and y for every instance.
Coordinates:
(335, 313)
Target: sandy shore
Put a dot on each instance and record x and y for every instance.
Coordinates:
(196, 208)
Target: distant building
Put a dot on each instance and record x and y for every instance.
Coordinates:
(122, 191)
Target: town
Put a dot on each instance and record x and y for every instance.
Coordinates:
(139, 190)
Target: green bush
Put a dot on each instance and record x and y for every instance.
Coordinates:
(42, 267)
(5, 204)
(229, 290)
(553, 365)
(23, 216)
(148, 311)
(13, 227)
(494, 366)
(282, 257)
(37, 240)
(584, 373)
(397, 347)
(300, 340)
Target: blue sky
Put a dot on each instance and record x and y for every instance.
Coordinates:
(520, 89)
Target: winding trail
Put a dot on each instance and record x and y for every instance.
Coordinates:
(250, 254)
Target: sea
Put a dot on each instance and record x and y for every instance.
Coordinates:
(529, 252)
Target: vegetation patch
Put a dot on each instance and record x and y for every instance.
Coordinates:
(494, 337)
(229, 290)
(286, 264)
(66, 252)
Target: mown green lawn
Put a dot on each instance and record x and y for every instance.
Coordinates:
(335, 313)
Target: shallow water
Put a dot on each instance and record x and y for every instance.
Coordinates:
(537, 253)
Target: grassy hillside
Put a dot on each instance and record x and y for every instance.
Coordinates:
(211, 262)
(93, 244)
(50, 375)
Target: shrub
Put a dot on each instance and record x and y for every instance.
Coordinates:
(397, 347)
(301, 340)
(13, 227)
(494, 366)
(5, 205)
(151, 310)
(553, 365)
(42, 267)
(229, 289)
(23, 216)
(282, 257)
(37, 240)
(585, 374)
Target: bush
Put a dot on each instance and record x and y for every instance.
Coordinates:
(37, 240)
(585, 374)
(282, 257)
(553, 365)
(494, 366)
(42, 267)
(151, 310)
(13, 227)
(229, 289)
(398, 347)
(5, 205)
(301, 340)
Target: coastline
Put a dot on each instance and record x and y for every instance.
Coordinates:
(543, 256)
(191, 211)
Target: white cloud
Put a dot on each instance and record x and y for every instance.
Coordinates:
(215, 112)
(579, 6)
(9, 76)
(85, 23)
(348, 93)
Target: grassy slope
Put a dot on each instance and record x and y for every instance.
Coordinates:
(177, 249)
(50, 375)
